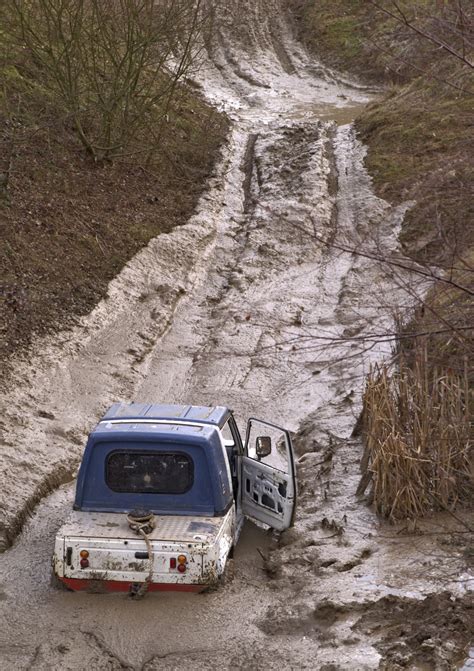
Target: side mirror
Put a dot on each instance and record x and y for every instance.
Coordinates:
(263, 446)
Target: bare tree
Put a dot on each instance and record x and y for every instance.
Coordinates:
(114, 65)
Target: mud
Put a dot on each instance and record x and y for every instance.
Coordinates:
(264, 303)
(426, 634)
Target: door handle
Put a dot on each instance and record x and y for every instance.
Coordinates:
(69, 556)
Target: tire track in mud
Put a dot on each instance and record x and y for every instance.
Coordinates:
(83, 649)
(248, 169)
(264, 246)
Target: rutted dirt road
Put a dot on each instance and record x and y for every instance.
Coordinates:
(253, 304)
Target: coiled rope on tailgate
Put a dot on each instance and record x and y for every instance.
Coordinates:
(142, 522)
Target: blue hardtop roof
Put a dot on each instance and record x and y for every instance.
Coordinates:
(131, 429)
(210, 493)
(215, 415)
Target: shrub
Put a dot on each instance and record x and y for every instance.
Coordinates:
(417, 438)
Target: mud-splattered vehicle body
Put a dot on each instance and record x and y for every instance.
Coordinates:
(188, 466)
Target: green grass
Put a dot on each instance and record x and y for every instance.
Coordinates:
(419, 150)
(337, 30)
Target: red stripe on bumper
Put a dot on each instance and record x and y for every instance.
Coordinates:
(78, 585)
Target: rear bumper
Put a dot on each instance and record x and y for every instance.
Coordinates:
(78, 585)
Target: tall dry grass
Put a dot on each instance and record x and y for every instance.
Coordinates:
(417, 438)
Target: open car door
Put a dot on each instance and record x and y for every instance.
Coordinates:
(268, 487)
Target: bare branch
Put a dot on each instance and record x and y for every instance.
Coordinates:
(115, 66)
(419, 270)
(402, 18)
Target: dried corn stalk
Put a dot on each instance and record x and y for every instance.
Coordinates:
(417, 438)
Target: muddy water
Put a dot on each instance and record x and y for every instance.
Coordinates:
(254, 304)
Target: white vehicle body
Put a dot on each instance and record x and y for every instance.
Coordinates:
(118, 556)
(98, 551)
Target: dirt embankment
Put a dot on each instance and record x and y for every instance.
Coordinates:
(69, 224)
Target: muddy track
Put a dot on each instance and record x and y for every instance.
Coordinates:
(253, 304)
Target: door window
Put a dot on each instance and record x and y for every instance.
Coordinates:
(227, 435)
(278, 457)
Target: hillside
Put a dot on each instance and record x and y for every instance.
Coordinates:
(69, 219)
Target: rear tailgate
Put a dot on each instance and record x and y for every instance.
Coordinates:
(115, 553)
(127, 560)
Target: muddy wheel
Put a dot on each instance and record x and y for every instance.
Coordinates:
(225, 578)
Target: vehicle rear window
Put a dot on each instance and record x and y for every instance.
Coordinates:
(149, 472)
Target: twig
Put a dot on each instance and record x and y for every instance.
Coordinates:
(265, 559)
(401, 18)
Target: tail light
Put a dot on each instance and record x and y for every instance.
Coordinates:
(182, 560)
(84, 563)
(179, 563)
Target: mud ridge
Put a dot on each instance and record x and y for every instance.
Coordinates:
(236, 68)
(247, 169)
(278, 45)
(60, 475)
(409, 633)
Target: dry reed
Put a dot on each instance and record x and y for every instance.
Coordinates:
(417, 438)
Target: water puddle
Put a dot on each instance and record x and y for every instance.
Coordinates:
(340, 115)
